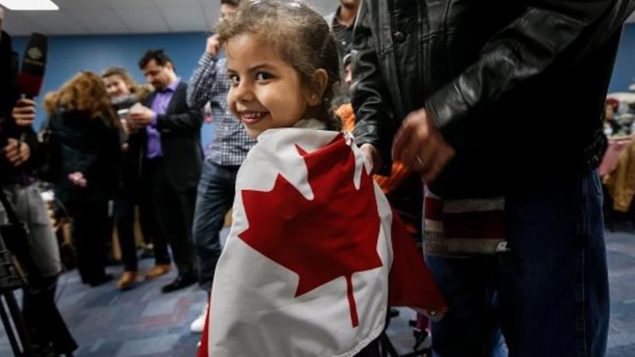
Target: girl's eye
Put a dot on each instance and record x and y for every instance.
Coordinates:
(263, 76)
(234, 80)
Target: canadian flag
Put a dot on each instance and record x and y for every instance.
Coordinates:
(315, 255)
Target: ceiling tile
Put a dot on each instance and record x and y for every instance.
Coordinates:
(127, 4)
(56, 22)
(211, 11)
(99, 21)
(185, 19)
(17, 25)
(83, 4)
(177, 4)
(143, 20)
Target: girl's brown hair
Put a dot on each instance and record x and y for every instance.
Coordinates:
(85, 92)
(302, 37)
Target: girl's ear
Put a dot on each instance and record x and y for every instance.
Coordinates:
(319, 80)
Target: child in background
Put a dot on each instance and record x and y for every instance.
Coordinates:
(314, 256)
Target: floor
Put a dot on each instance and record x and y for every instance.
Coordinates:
(145, 322)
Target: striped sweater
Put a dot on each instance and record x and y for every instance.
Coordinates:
(463, 227)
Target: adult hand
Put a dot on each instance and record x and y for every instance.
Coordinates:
(77, 179)
(24, 112)
(420, 146)
(371, 157)
(213, 45)
(16, 152)
(140, 116)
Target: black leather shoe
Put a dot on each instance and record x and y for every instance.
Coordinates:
(181, 281)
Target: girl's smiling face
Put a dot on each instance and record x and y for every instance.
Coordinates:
(266, 91)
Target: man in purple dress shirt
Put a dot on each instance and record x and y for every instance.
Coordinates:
(167, 138)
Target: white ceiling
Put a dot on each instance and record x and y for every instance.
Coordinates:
(93, 17)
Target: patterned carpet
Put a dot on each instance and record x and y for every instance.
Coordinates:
(139, 322)
(145, 322)
(621, 258)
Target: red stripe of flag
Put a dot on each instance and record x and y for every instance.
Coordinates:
(433, 208)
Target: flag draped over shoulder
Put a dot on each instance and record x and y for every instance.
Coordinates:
(306, 270)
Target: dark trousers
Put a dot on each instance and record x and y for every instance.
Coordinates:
(174, 208)
(548, 295)
(44, 322)
(147, 204)
(124, 220)
(90, 233)
(372, 350)
(124, 210)
(215, 197)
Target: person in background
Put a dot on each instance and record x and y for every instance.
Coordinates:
(125, 93)
(611, 125)
(403, 188)
(19, 159)
(342, 22)
(513, 214)
(167, 131)
(84, 157)
(223, 157)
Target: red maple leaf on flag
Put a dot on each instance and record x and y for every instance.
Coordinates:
(332, 235)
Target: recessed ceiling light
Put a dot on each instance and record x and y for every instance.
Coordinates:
(26, 5)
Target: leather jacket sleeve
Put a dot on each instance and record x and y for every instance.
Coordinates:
(549, 32)
(370, 97)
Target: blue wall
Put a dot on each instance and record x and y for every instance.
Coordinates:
(69, 54)
(624, 72)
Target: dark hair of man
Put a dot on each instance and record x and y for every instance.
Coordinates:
(158, 55)
(234, 3)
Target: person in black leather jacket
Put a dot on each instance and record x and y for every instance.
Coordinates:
(501, 100)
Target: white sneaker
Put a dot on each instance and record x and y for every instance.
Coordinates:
(199, 323)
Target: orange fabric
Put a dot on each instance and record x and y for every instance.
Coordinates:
(347, 116)
(398, 171)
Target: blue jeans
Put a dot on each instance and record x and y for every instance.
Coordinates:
(548, 295)
(215, 196)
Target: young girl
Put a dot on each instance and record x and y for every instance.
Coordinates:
(305, 270)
